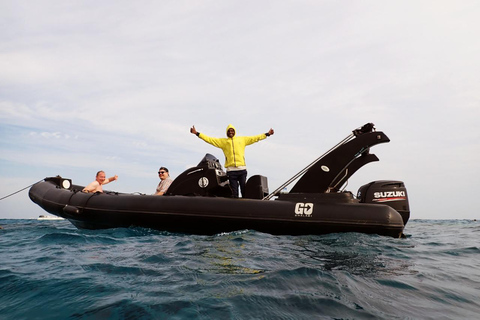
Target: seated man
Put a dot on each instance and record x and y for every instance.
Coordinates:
(165, 181)
(96, 186)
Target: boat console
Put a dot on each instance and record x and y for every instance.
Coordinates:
(209, 179)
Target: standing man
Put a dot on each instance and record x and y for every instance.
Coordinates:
(165, 181)
(100, 180)
(233, 148)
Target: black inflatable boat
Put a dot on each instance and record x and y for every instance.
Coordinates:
(199, 200)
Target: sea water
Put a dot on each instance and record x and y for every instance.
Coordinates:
(51, 270)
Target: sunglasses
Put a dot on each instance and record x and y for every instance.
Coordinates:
(161, 172)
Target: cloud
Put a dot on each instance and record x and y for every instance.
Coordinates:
(51, 135)
(117, 85)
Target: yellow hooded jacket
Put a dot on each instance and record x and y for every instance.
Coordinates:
(233, 148)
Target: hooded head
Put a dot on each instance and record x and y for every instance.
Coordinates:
(230, 128)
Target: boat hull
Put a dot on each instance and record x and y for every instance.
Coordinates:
(214, 215)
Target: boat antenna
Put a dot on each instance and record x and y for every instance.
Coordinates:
(271, 195)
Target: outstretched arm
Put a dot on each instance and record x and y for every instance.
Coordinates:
(216, 142)
(110, 179)
(258, 137)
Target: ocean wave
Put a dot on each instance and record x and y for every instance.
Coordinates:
(52, 270)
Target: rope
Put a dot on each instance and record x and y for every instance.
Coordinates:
(20, 190)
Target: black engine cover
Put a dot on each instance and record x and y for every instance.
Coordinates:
(391, 193)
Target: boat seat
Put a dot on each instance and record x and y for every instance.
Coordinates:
(256, 187)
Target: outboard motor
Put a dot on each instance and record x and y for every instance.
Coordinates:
(391, 193)
(206, 179)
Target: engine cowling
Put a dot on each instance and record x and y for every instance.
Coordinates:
(387, 192)
(209, 180)
(206, 179)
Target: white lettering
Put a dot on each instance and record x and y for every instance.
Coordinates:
(389, 194)
(303, 209)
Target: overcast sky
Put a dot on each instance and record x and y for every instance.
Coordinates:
(116, 85)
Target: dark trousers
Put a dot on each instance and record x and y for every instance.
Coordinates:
(236, 178)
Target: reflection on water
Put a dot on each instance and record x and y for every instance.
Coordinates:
(248, 252)
(356, 254)
(226, 254)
